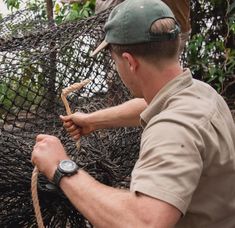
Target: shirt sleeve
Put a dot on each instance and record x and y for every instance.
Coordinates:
(170, 164)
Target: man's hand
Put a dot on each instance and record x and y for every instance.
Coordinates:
(77, 124)
(47, 153)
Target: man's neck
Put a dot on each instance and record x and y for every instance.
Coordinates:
(154, 78)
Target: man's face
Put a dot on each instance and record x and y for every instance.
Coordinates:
(126, 75)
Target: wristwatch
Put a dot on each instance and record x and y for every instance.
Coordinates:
(65, 168)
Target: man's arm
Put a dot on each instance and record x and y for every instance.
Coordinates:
(108, 207)
(102, 205)
(124, 115)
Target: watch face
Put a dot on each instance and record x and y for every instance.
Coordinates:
(67, 166)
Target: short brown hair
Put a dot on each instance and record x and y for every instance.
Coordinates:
(153, 51)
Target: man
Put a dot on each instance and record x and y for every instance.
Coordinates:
(185, 173)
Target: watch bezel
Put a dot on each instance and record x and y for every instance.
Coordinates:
(63, 170)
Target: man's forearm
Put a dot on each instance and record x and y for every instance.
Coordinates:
(102, 205)
(124, 115)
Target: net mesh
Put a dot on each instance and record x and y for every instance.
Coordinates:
(38, 60)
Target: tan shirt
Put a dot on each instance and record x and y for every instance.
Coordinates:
(187, 154)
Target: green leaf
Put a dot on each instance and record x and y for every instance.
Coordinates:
(57, 8)
(72, 15)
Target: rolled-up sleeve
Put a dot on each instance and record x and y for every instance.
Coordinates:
(170, 164)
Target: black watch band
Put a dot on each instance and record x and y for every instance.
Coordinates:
(57, 177)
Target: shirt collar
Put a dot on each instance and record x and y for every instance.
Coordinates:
(157, 104)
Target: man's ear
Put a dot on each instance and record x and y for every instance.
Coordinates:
(131, 60)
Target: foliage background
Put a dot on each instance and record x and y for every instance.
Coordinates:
(211, 52)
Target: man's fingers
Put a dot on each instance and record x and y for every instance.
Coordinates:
(77, 137)
(72, 128)
(40, 137)
(65, 118)
(68, 124)
(76, 132)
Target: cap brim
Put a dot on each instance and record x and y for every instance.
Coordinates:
(103, 45)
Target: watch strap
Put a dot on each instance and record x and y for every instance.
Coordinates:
(57, 177)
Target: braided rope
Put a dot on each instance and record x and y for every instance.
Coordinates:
(34, 179)
(66, 91)
(36, 205)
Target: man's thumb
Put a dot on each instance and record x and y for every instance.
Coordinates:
(65, 118)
